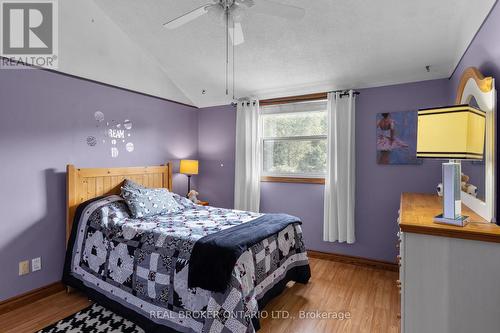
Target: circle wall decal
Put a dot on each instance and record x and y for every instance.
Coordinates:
(130, 147)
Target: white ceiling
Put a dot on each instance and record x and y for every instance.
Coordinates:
(339, 44)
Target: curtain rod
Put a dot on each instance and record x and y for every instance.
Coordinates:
(300, 98)
(303, 98)
(345, 92)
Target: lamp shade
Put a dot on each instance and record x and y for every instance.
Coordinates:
(453, 132)
(189, 167)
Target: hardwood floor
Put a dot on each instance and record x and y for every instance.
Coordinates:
(368, 295)
(42, 313)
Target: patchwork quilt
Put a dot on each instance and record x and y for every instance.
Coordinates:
(139, 268)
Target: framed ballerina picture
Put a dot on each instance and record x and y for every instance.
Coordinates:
(397, 138)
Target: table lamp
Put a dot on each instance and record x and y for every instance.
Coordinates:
(455, 133)
(189, 168)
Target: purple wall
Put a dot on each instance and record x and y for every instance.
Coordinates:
(378, 187)
(483, 53)
(216, 149)
(45, 119)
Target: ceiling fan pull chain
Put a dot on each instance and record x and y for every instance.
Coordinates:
(234, 60)
(227, 48)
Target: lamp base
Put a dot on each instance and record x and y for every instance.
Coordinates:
(460, 221)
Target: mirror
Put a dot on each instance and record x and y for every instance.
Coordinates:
(474, 172)
(479, 91)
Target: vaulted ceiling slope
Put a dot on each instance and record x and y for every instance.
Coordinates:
(94, 47)
(338, 44)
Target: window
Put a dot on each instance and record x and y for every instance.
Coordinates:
(294, 140)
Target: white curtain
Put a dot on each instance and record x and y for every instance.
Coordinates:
(248, 156)
(340, 174)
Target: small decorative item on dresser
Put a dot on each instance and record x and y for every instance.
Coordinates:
(439, 189)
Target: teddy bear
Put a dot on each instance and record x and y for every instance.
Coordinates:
(466, 187)
(192, 195)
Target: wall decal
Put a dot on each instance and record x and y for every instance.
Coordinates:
(91, 141)
(397, 138)
(99, 116)
(114, 152)
(127, 124)
(113, 132)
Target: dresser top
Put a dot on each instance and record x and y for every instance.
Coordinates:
(417, 216)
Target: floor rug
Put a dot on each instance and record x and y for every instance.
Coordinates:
(95, 318)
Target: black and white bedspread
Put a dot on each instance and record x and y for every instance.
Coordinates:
(140, 268)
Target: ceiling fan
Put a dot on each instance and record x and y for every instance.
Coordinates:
(231, 14)
(233, 11)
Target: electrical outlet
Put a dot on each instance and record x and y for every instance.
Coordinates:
(36, 264)
(24, 267)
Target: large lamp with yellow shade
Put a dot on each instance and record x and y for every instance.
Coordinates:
(189, 168)
(453, 133)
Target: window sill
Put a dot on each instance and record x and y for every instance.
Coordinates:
(297, 180)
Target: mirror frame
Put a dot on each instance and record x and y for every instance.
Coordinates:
(474, 84)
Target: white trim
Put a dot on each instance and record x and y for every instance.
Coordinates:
(487, 103)
(295, 138)
(294, 175)
(295, 107)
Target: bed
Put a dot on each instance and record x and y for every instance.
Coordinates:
(199, 269)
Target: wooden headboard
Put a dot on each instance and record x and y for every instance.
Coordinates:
(83, 184)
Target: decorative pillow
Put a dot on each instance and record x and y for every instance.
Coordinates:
(184, 202)
(131, 184)
(146, 202)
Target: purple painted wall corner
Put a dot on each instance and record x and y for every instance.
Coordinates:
(483, 53)
(216, 149)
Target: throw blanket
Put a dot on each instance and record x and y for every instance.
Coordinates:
(214, 256)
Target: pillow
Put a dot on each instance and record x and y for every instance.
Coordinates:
(131, 184)
(146, 202)
(184, 202)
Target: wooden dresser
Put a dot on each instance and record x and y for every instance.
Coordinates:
(449, 276)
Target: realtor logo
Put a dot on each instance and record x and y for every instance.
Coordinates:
(29, 33)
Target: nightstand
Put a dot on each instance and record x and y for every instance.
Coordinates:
(203, 203)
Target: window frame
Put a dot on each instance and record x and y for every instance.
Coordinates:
(311, 178)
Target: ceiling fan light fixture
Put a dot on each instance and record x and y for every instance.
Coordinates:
(247, 3)
(237, 13)
(216, 14)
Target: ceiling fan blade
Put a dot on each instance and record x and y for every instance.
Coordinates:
(188, 17)
(268, 7)
(236, 34)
